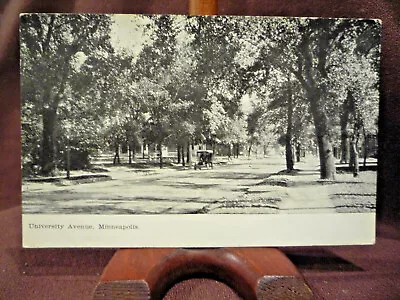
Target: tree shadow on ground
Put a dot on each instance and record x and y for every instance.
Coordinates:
(354, 194)
(235, 175)
(86, 178)
(297, 172)
(140, 165)
(96, 210)
(105, 210)
(279, 179)
(190, 185)
(332, 182)
(347, 169)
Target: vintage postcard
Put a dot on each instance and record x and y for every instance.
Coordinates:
(198, 131)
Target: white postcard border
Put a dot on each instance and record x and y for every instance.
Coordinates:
(139, 231)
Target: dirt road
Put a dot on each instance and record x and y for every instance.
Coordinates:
(238, 186)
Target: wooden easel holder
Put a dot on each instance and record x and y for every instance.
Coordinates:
(254, 273)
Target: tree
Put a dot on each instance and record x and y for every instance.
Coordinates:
(214, 44)
(360, 107)
(320, 44)
(311, 48)
(50, 44)
(153, 67)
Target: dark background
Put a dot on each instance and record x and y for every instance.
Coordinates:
(65, 274)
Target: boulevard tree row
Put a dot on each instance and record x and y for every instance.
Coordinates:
(183, 80)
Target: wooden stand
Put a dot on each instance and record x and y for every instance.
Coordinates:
(254, 273)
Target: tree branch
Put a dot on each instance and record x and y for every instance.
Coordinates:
(46, 41)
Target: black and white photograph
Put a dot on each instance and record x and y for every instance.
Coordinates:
(205, 121)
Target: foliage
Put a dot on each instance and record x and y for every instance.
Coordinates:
(185, 81)
(51, 48)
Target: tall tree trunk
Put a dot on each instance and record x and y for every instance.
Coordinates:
(354, 162)
(366, 150)
(344, 147)
(314, 95)
(321, 123)
(188, 153)
(347, 109)
(183, 155)
(68, 160)
(116, 154)
(298, 152)
(213, 146)
(344, 136)
(289, 154)
(289, 134)
(237, 150)
(160, 153)
(326, 158)
(130, 153)
(48, 153)
(178, 147)
(249, 151)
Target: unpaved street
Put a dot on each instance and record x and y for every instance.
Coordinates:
(238, 186)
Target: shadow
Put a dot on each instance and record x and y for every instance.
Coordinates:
(136, 165)
(247, 192)
(111, 209)
(192, 185)
(96, 210)
(319, 260)
(357, 207)
(233, 176)
(182, 168)
(354, 194)
(74, 178)
(146, 164)
(330, 182)
(298, 172)
(347, 169)
(97, 170)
